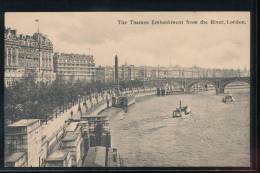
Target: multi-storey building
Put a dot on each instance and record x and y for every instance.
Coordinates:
(124, 73)
(72, 67)
(105, 74)
(109, 73)
(175, 72)
(127, 72)
(23, 139)
(100, 74)
(27, 55)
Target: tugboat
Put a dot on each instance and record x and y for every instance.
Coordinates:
(181, 111)
(228, 98)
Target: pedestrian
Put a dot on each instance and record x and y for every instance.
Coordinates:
(71, 114)
(107, 101)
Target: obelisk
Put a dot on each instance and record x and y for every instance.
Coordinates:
(116, 72)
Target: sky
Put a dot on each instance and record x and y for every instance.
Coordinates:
(186, 45)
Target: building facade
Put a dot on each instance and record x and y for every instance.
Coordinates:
(18, 159)
(73, 67)
(105, 74)
(100, 74)
(24, 136)
(27, 56)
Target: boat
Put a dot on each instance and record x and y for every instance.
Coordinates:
(228, 99)
(120, 100)
(181, 111)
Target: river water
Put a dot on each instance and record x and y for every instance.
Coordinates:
(216, 134)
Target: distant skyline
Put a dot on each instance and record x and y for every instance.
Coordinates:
(186, 45)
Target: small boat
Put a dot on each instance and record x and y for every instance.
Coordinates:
(181, 111)
(228, 99)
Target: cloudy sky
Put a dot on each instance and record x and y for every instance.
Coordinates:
(204, 45)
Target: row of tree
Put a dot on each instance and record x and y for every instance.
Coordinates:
(30, 100)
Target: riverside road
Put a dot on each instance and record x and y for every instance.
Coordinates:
(217, 134)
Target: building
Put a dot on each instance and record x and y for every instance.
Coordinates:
(101, 74)
(24, 136)
(146, 73)
(105, 74)
(59, 158)
(73, 67)
(175, 72)
(18, 159)
(125, 72)
(73, 142)
(27, 56)
(109, 73)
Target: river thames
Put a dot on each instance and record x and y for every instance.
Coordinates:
(216, 134)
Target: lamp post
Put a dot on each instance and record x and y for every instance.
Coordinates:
(85, 97)
(79, 98)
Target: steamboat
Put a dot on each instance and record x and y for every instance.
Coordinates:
(181, 111)
(228, 99)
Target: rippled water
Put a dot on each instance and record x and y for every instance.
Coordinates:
(216, 134)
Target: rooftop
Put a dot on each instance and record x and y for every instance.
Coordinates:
(72, 127)
(74, 56)
(57, 155)
(69, 137)
(23, 122)
(14, 157)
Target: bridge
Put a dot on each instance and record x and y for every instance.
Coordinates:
(187, 83)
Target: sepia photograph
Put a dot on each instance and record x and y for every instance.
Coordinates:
(127, 89)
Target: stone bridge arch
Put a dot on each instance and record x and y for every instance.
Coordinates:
(229, 81)
(206, 81)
